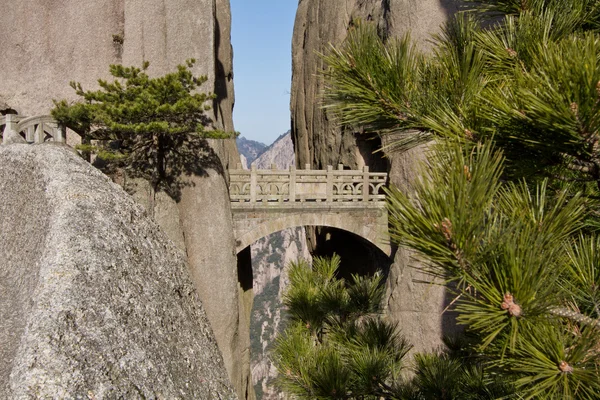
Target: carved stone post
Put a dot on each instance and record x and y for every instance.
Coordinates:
(292, 186)
(329, 187)
(365, 188)
(30, 134)
(61, 134)
(39, 134)
(253, 180)
(10, 134)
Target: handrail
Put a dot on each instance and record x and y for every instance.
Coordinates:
(325, 187)
(35, 129)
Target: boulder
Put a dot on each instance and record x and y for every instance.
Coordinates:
(96, 302)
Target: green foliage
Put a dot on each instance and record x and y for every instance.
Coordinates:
(337, 345)
(506, 208)
(523, 285)
(530, 80)
(150, 126)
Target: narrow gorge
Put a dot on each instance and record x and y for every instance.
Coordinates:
(125, 291)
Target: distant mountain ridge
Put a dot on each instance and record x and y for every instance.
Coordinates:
(280, 153)
(250, 149)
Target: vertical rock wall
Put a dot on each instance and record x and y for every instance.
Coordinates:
(110, 313)
(47, 44)
(319, 141)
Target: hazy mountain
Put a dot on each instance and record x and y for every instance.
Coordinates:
(280, 153)
(250, 149)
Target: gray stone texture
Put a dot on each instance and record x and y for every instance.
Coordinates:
(96, 301)
(319, 140)
(46, 44)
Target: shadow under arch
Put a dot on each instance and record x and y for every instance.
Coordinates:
(370, 233)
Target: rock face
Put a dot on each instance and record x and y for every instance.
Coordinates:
(319, 141)
(46, 44)
(96, 301)
(280, 154)
(270, 258)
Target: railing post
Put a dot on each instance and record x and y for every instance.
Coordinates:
(253, 181)
(30, 134)
(292, 185)
(365, 187)
(329, 187)
(39, 135)
(10, 127)
(61, 134)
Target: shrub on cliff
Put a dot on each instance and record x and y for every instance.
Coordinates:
(150, 126)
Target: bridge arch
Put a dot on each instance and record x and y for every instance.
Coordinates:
(368, 224)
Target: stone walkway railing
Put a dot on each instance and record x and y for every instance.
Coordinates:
(38, 129)
(330, 187)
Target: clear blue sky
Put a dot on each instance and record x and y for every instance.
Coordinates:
(262, 66)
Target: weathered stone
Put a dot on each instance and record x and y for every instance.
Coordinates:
(207, 224)
(96, 302)
(368, 223)
(47, 44)
(319, 140)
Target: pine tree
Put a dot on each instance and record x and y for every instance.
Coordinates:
(506, 209)
(530, 80)
(336, 344)
(152, 127)
(524, 273)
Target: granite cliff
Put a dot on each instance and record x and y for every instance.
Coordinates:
(319, 141)
(112, 313)
(47, 44)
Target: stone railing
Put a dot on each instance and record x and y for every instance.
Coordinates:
(38, 129)
(324, 187)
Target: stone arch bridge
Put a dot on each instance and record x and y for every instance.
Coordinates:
(267, 201)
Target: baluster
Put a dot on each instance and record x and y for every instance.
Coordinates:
(10, 127)
(39, 134)
(292, 185)
(61, 134)
(365, 187)
(30, 134)
(253, 180)
(329, 187)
